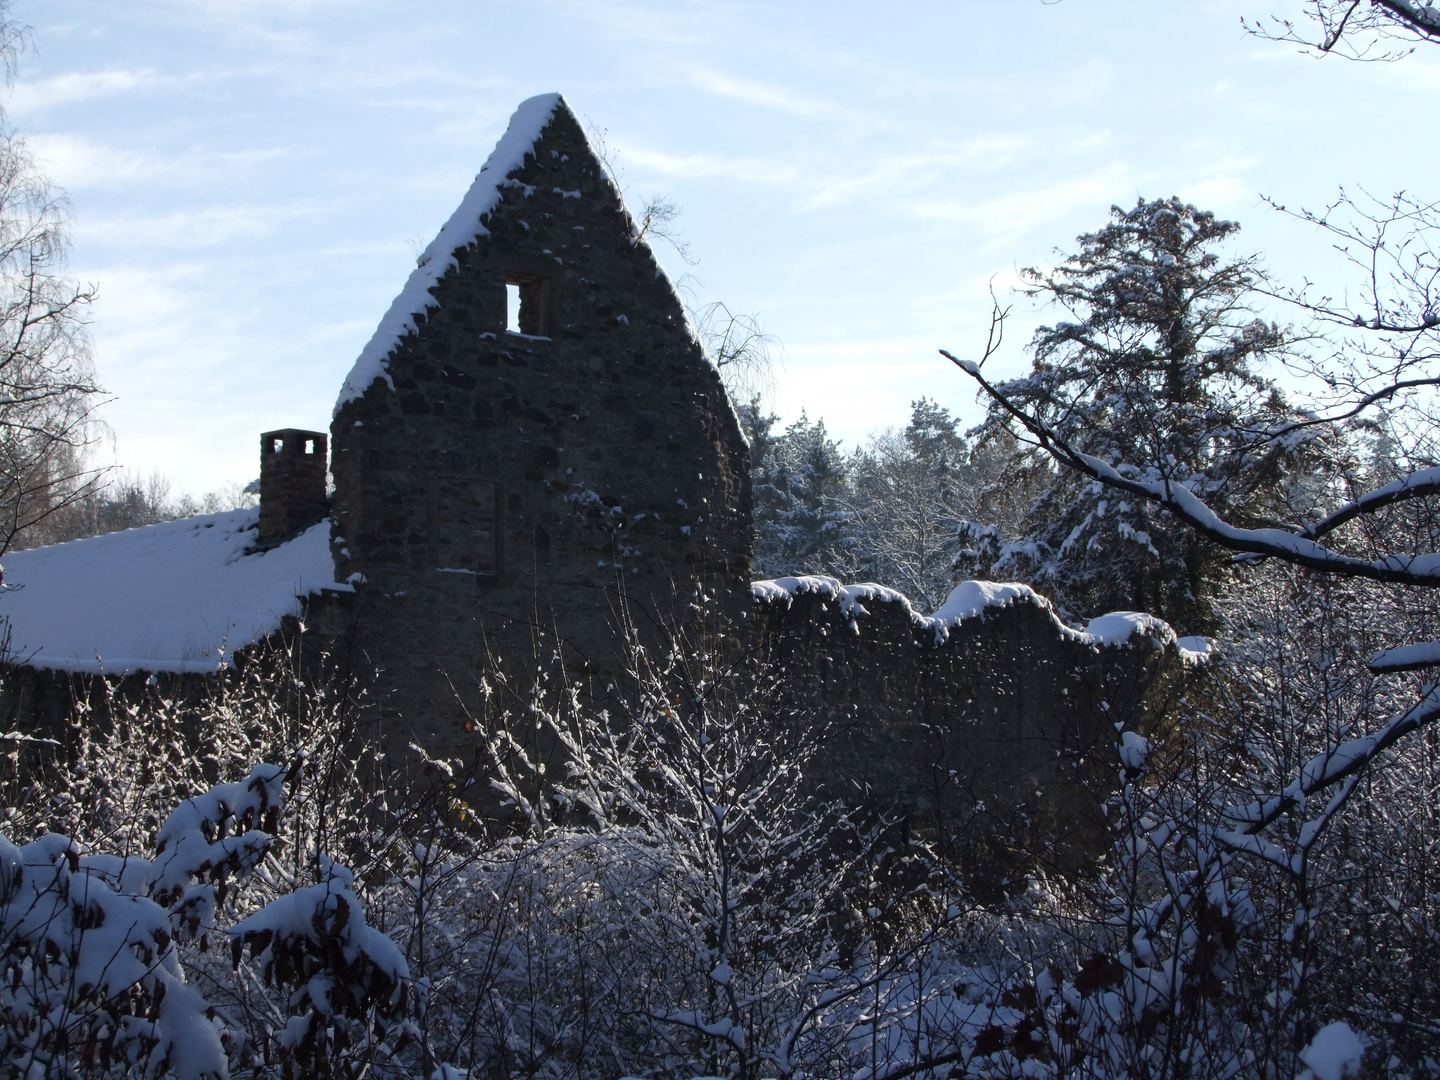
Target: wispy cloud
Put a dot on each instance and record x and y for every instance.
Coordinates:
(33, 95)
(898, 174)
(1220, 191)
(664, 30)
(1018, 212)
(751, 170)
(819, 185)
(78, 162)
(754, 92)
(200, 228)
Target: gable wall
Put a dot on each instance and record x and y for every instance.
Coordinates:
(606, 461)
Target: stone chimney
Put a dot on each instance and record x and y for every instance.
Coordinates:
(292, 483)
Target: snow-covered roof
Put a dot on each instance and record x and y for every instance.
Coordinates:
(179, 596)
(463, 228)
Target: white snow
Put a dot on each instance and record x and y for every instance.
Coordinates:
(969, 600)
(330, 910)
(101, 944)
(1407, 658)
(1118, 627)
(1195, 649)
(463, 228)
(183, 850)
(1134, 750)
(179, 596)
(1335, 1053)
(1412, 569)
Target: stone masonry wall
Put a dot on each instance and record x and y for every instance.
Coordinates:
(496, 487)
(558, 480)
(994, 739)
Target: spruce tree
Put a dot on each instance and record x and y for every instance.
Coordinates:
(1158, 362)
(798, 482)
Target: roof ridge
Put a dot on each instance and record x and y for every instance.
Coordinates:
(464, 226)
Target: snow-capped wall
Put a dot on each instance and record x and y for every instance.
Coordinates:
(990, 724)
(975, 600)
(181, 596)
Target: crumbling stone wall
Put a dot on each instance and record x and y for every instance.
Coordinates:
(995, 740)
(560, 480)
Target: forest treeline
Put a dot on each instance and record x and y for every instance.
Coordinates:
(111, 500)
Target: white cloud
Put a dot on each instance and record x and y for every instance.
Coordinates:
(1019, 212)
(31, 96)
(202, 227)
(899, 173)
(750, 170)
(78, 162)
(1219, 191)
(758, 93)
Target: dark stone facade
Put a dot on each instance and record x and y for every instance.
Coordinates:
(587, 467)
(995, 741)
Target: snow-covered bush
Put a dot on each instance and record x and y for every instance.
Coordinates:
(660, 896)
(91, 975)
(710, 914)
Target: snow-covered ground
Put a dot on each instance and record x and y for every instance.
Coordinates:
(179, 596)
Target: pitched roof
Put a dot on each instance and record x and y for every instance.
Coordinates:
(179, 596)
(464, 226)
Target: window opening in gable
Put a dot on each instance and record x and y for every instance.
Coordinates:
(512, 307)
(527, 304)
(466, 526)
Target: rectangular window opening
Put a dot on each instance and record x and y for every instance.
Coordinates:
(466, 526)
(309, 446)
(527, 305)
(512, 307)
(276, 445)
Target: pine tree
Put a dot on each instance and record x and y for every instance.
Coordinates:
(910, 489)
(799, 480)
(1158, 364)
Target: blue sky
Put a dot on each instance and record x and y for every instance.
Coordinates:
(251, 180)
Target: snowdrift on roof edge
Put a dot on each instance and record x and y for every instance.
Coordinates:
(466, 225)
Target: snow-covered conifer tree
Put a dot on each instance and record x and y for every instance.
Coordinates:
(910, 490)
(799, 482)
(1155, 360)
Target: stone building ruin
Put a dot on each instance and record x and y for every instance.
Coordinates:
(498, 472)
(534, 444)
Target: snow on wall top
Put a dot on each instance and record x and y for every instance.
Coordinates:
(463, 228)
(970, 600)
(179, 596)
